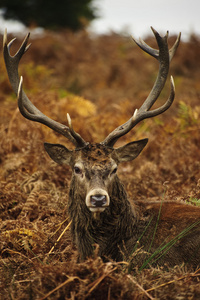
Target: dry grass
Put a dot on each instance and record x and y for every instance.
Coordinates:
(38, 260)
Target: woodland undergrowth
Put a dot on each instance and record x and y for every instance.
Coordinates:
(99, 81)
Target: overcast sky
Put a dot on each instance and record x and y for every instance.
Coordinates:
(137, 16)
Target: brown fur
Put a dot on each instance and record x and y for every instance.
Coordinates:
(122, 228)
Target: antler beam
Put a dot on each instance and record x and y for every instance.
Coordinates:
(164, 56)
(26, 107)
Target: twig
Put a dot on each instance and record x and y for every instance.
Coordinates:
(60, 286)
(16, 252)
(140, 287)
(96, 282)
(67, 227)
(172, 281)
(59, 226)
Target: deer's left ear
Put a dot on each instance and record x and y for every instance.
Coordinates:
(130, 151)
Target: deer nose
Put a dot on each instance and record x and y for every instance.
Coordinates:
(98, 200)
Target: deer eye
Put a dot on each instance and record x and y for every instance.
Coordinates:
(77, 170)
(114, 171)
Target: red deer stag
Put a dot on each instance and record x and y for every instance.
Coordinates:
(98, 205)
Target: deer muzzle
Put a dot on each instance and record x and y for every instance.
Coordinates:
(97, 200)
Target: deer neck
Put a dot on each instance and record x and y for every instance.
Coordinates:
(118, 210)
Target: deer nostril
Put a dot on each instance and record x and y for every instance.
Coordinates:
(98, 200)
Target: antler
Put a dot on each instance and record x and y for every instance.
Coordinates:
(164, 56)
(26, 107)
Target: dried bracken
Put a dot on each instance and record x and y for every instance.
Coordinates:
(34, 191)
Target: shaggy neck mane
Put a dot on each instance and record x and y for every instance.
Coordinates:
(115, 217)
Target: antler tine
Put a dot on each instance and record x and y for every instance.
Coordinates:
(12, 62)
(164, 56)
(74, 134)
(26, 107)
(172, 51)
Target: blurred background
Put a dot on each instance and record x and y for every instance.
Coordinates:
(136, 16)
(103, 16)
(82, 61)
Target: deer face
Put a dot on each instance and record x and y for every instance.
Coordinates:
(94, 168)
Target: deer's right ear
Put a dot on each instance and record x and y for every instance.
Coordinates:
(59, 153)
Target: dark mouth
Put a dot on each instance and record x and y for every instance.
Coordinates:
(104, 206)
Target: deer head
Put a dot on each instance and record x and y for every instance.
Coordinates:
(94, 168)
(95, 165)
